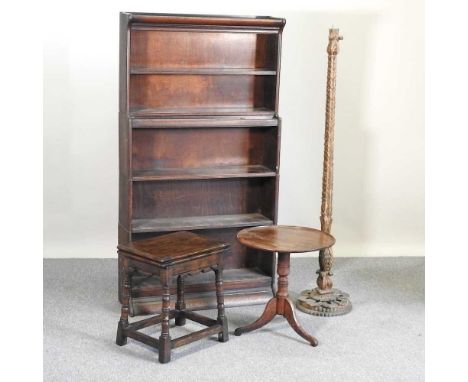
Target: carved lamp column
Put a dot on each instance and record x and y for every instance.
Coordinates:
(326, 300)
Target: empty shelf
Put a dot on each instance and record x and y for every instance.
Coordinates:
(241, 111)
(199, 222)
(202, 71)
(249, 171)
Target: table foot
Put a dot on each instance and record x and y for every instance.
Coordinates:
(290, 315)
(268, 314)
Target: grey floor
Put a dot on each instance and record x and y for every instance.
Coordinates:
(382, 339)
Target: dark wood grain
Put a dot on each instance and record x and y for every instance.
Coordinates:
(175, 123)
(199, 318)
(241, 260)
(254, 112)
(189, 338)
(202, 50)
(173, 247)
(213, 20)
(285, 239)
(189, 198)
(199, 142)
(150, 321)
(279, 305)
(198, 222)
(142, 337)
(219, 172)
(155, 91)
(206, 300)
(209, 71)
(180, 306)
(247, 279)
(179, 254)
(205, 148)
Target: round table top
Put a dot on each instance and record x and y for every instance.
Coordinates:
(288, 239)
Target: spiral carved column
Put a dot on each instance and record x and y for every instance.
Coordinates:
(326, 300)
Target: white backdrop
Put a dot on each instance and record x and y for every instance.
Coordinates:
(379, 153)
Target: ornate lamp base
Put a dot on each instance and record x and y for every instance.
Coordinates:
(322, 304)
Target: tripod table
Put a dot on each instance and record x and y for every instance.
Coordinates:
(284, 240)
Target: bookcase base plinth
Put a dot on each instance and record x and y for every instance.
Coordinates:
(203, 301)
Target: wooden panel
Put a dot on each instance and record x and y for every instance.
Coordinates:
(203, 148)
(286, 239)
(193, 91)
(195, 336)
(240, 111)
(123, 60)
(198, 222)
(173, 199)
(199, 140)
(236, 258)
(240, 257)
(206, 20)
(193, 49)
(142, 337)
(144, 286)
(242, 171)
(213, 71)
(124, 173)
(180, 123)
(207, 300)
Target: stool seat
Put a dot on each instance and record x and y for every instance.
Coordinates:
(173, 247)
(172, 255)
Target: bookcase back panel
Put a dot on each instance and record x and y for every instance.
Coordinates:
(201, 91)
(193, 49)
(239, 256)
(172, 199)
(203, 147)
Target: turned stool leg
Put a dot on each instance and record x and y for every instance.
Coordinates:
(121, 338)
(165, 338)
(224, 335)
(180, 304)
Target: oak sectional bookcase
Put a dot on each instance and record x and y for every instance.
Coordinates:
(199, 137)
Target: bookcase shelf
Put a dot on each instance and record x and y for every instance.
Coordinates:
(199, 137)
(201, 122)
(245, 111)
(248, 171)
(198, 222)
(204, 71)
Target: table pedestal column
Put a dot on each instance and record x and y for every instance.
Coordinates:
(280, 305)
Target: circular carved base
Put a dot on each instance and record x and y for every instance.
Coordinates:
(330, 304)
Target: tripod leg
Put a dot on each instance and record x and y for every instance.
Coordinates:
(268, 314)
(290, 315)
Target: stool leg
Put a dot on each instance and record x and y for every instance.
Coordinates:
(180, 304)
(224, 335)
(121, 338)
(165, 338)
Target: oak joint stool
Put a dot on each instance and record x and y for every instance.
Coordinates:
(176, 254)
